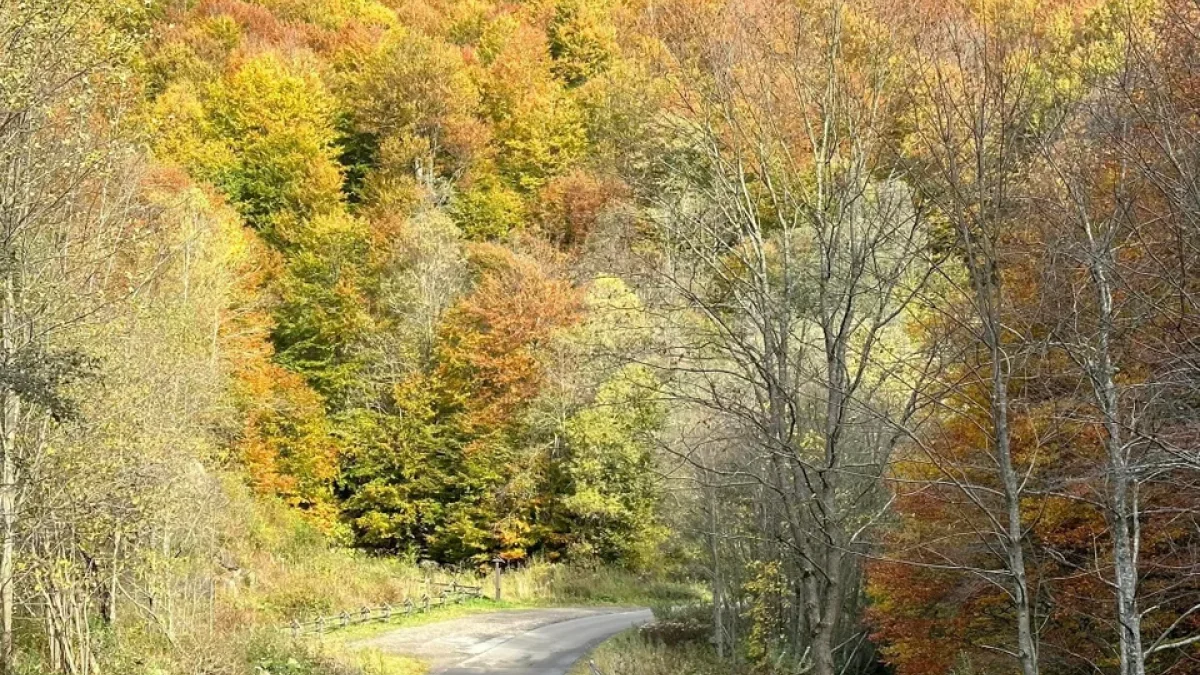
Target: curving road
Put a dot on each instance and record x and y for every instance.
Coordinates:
(515, 642)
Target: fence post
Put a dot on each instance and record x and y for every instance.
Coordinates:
(408, 606)
(364, 614)
(345, 619)
(385, 614)
(425, 601)
(295, 629)
(320, 624)
(498, 562)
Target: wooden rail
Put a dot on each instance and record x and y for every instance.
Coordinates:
(452, 593)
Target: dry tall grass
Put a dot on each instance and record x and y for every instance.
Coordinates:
(630, 653)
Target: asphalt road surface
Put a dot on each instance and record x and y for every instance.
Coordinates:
(516, 642)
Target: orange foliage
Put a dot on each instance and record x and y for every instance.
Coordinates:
(488, 347)
(568, 207)
(284, 441)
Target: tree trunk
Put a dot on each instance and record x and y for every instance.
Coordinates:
(1120, 510)
(717, 591)
(823, 645)
(7, 535)
(10, 411)
(1015, 534)
(109, 608)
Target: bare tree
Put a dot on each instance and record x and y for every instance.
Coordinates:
(977, 114)
(790, 255)
(1089, 188)
(1124, 185)
(1114, 216)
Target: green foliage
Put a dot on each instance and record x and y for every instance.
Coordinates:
(274, 124)
(360, 254)
(322, 302)
(269, 653)
(584, 584)
(398, 473)
(611, 496)
(411, 110)
(541, 137)
(582, 42)
(598, 419)
(487, 210)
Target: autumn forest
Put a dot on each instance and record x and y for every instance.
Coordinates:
(856, 337)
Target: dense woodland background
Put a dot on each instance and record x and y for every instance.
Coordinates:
(877, 319)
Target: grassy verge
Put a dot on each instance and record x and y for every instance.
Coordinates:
(631, 653)
(358, 632)
(547, 585)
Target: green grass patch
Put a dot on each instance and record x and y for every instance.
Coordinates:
(362, 631)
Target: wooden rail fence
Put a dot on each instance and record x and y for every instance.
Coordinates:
(452, 593)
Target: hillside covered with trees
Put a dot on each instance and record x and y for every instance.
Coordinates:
(876, 318)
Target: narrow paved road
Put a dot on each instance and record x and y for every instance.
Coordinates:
(517, 642)
(551, 649)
